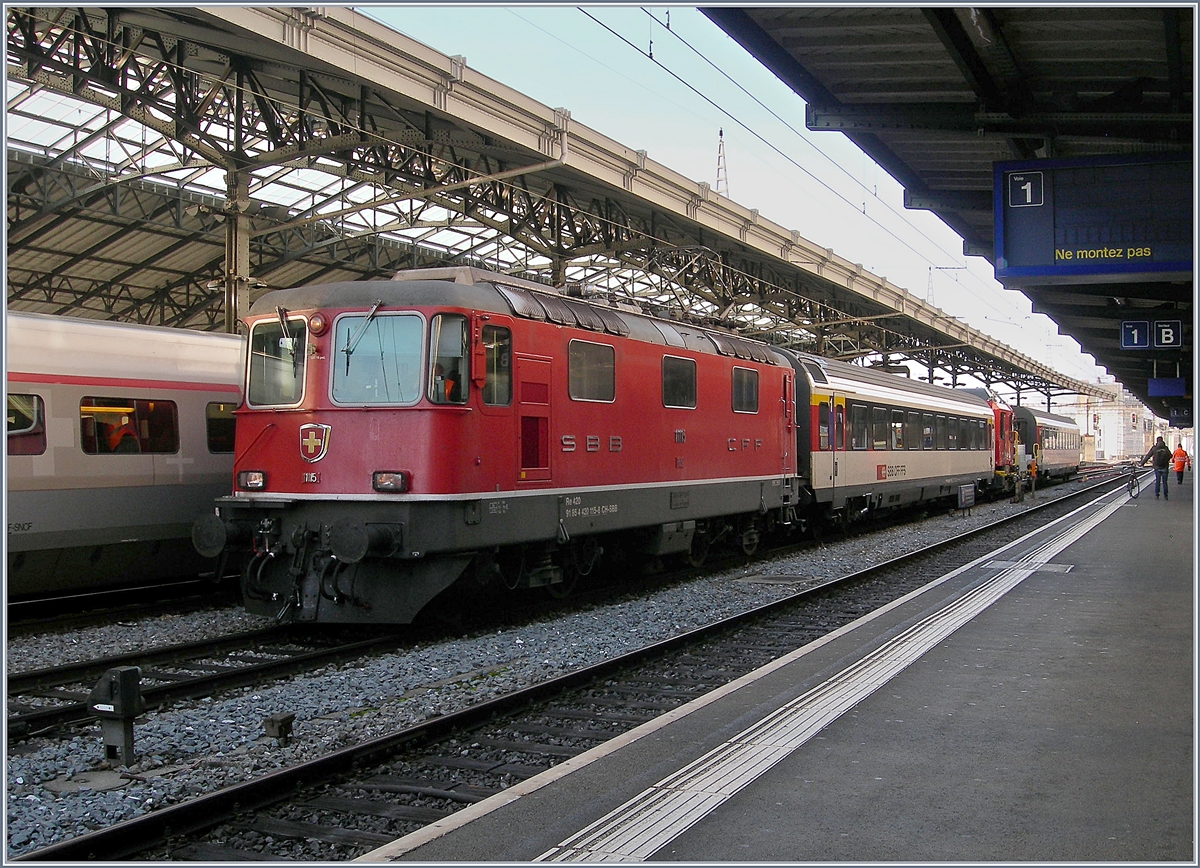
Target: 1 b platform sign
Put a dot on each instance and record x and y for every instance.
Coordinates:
(1095, 219)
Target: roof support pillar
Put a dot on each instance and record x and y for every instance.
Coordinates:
(237, 248)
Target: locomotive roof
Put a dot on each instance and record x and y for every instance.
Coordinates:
(477, 290)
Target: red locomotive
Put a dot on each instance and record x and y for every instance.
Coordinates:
(398, 435)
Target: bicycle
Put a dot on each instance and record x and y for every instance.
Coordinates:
(1132, 483)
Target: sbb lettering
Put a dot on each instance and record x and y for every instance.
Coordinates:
(591, 443)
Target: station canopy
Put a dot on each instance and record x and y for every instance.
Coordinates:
(1092, 100)
(169, 165)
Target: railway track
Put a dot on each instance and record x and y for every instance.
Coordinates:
(43, 700)
(352, 800)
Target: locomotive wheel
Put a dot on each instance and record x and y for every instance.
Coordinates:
(698, 553)
(749, 536)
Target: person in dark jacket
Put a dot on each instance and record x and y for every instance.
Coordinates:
(1160, 458)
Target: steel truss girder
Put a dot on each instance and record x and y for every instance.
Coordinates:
(246, 114)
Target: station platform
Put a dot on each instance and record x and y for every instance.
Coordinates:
(1036, 705)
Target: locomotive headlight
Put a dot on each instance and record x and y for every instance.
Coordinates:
(318, 323)
(252, 480)
(389, 480)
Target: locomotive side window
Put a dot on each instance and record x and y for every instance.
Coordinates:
(218, 423)
(277, 361)
(898, 429)
(128, 425)
(839, 427)
(823, 425)
(879, 428)
(679, 382)
(448, 352)
(497, 346)
(745, 390)
(26, 425)
(591, 372)
(377, 359)
(858, 426)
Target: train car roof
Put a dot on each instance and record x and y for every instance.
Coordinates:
(1044, 418)
(835, 375)
(54, 345)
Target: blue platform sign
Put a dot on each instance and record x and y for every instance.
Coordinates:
(1135, 334)
(1093, 219)
(1168, 333)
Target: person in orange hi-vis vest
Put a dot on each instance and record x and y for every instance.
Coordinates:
(1181, 461)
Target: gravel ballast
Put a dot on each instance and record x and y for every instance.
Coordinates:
(196, 747)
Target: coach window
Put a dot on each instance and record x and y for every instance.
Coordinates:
(218, 424)
(858, 426)
(823, 425)
(952, 432)
(679, 382)
(128, 425)
(591, 372)
(497, 350)
(839, 427)
(926, 430)
(26, 425)
(277, 355)
(941, 432)
(879, 428)
(912, 429)
(897, 429)
(745, 390)
(448, 351)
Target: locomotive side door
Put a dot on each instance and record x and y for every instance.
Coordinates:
(533, 418)
(788, 425)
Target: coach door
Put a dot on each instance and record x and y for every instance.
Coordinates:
(533, 418)
(837, 444)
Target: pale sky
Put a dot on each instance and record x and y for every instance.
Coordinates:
(592, 61)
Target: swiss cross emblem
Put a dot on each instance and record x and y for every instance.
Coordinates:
(314, 441)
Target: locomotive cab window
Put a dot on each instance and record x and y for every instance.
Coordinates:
(128, 426)
(278, 349)
(376, 359)
(745, 390)
(679, 382)
(26, 425)
(497, 348)
(448, 372)
(591, 372)
(218, 424)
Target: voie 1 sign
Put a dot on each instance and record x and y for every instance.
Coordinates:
(1102, 218)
